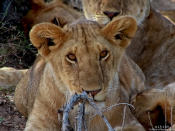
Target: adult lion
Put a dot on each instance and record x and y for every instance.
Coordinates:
(154, 43)
(83, 57)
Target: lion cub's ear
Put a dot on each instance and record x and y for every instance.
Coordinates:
(121, 28)
(46, 36)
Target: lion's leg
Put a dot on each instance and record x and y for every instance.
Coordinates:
(43, 118)
(26, 90)
(20, 97)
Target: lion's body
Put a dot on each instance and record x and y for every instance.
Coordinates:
(40, 94)
(9, 77)
(153, 50)
(49, 12)
(156, 106)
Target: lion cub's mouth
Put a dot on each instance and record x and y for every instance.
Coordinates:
(93, 93)
(96, 95)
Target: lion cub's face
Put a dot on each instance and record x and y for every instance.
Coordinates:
(104, 11)
(83, 55)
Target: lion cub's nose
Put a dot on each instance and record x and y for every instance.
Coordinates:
(93, 93)
(111, 15)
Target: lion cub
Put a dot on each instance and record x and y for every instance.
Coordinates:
(82, 56)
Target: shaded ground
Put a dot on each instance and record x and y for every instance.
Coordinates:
(10, 118)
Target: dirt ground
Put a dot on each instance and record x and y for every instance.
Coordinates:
(10, 118)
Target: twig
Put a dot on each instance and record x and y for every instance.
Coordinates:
(73, 100)
(150, 120)
(91, 102)
(124, 116)
(165, 109)
(114, 105)
(80, 116)
(171, 118)
(110, 107)
(65, 123)
(6, 11)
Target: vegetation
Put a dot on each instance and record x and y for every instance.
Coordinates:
(15, 48)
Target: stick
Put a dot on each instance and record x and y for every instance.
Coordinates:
(112, 106)
(65, 123)
(124, 116)
(73, 100)
(171, 118)
(80, 116)
(92, 103)
(150, 120)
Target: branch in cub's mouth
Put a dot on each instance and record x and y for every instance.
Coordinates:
(80, 98)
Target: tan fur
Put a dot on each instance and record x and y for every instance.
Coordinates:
(152, 49)
(94, 9)
(40, 94)
(9, 76)
(153, 46)
(47, 12)
(158, 104)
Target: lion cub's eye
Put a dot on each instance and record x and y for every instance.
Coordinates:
(104, 55)
(71, 58)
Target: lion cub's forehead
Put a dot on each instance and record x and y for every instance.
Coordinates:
(83, 29)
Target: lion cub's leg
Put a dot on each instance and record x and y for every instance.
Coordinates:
(20, 97)
(43, 118)
(27, 88)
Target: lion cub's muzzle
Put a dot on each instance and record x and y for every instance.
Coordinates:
(94, 93)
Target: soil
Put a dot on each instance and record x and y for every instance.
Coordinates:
(10, 118)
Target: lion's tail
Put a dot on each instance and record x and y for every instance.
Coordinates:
(10, 76)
